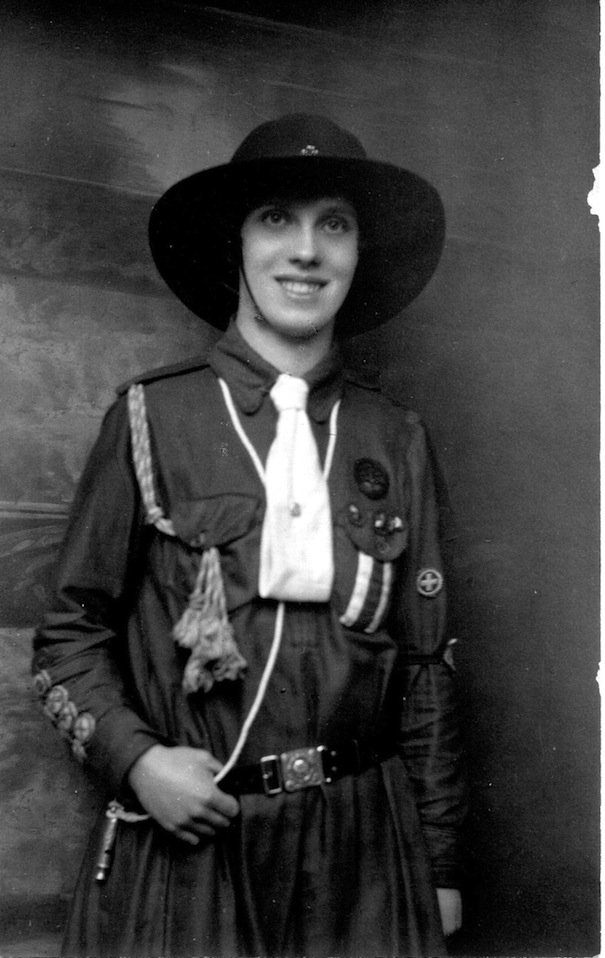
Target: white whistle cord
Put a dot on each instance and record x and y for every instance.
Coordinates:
(281, 607)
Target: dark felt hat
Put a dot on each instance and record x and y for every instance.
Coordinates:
(194, 229)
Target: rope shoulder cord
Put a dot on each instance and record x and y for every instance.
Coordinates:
(204, 627)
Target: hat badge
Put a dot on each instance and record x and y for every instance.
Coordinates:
(309, 150)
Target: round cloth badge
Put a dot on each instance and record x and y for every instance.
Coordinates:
(371, 478)
(429, 583)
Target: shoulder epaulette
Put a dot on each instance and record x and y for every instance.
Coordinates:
(163, 372)
(372, 380)
(364, 378)
(395, 399)
(387, 395)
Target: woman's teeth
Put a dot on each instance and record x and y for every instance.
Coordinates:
(300, 288)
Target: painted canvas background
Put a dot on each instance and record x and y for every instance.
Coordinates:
(103, 107)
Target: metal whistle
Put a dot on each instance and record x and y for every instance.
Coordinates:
(108, 837)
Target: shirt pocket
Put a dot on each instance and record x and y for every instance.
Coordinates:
(368, 539)
(230, 522)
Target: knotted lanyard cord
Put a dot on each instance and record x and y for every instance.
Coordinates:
(141, 455)
(280, 614)
(204, 626)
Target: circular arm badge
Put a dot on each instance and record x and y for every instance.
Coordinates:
(429, 582)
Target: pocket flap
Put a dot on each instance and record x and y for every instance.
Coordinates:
(216, 520)
(381, 531)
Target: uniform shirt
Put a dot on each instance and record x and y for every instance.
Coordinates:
(367, 665)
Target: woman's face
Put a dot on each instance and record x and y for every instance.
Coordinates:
(299, 259)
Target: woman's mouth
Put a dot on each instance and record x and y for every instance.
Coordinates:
(300, 287)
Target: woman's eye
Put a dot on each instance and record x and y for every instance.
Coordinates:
(337, 224)
(274, 217)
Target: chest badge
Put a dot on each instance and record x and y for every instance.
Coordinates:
(371, 478)
(429, 583)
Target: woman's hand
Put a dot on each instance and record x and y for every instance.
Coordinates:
(450, 908)
(176, 786)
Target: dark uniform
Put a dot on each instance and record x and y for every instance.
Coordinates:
(346, 867)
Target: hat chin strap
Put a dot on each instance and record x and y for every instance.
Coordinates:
(258, 314)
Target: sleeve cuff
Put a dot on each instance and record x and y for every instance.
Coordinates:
(121, 737)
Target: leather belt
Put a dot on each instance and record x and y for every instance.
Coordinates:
(303, 768)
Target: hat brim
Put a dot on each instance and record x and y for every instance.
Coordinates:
(194, 232)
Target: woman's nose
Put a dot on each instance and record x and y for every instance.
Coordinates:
(305, 248)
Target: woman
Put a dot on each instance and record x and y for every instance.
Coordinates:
(248, 636)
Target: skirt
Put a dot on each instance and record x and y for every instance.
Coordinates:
(337, 870)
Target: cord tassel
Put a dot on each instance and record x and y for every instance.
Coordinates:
(204, 628)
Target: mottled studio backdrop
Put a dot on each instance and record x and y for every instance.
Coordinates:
(105, 105)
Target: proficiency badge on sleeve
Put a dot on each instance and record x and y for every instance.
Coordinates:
(429, 583)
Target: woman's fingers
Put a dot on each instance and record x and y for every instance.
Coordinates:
(176, 786)
(186, 836)
(205, 826)
(224, 804)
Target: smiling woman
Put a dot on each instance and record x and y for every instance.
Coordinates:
(298, 263)
(194, 230)
(248, 641)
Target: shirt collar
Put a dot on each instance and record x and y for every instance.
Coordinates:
(250, 377)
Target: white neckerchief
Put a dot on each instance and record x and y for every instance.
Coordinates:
(296, 545)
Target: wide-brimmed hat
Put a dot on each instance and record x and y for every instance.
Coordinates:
(194, 230)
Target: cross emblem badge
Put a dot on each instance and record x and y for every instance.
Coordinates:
(429, 582)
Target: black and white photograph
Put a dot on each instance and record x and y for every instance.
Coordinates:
(299, 486)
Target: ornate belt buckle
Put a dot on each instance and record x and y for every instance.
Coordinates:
(303, 768)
